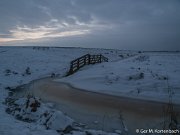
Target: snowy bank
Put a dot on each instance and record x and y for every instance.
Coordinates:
(147, 76)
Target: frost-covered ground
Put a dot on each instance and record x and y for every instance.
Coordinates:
(145, 76)
(138, 75)
(20, 65)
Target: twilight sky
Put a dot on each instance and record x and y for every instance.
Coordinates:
(121, 24)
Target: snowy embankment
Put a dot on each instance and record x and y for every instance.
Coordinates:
(146, 76)
(20, 65)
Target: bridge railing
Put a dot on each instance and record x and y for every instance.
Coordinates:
(86, 60)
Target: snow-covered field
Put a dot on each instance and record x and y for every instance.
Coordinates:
(20, 65)
(146, 76)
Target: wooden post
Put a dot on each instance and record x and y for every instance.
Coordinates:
(84, 60)
(77, 63)
(89, 59)
(71, 69)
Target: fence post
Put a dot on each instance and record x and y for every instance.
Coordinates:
(100, 58)
(89, 59)
(71, 69)
(77, 63)
(84, 60)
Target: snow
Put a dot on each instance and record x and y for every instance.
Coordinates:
(32, 109)
(146, 76)
(59, 121)
(92, 132)
(20, 65)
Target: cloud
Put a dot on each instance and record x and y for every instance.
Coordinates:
(27, 33)
(108, 23)
(54, 28)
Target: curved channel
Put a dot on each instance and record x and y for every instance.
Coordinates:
(100, 111)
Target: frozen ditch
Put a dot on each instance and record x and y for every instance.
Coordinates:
(98, 111)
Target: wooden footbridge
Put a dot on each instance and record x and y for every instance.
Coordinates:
(85, 60)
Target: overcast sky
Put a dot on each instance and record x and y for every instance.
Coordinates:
(121, 24)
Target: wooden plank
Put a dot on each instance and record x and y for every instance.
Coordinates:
(85, 60)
